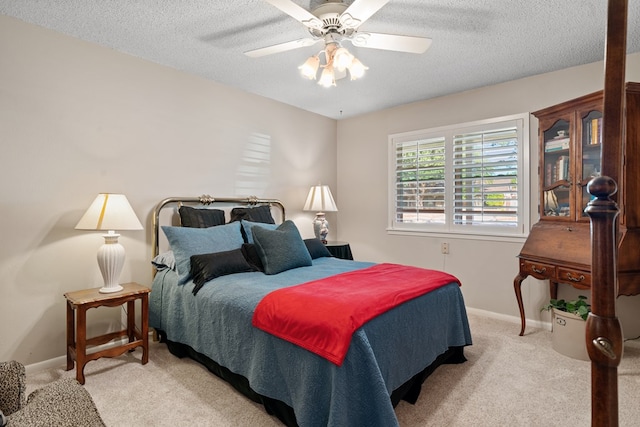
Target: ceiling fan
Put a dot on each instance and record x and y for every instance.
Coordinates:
(334, 22)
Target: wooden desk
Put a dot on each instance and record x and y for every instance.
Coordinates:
(77, 342)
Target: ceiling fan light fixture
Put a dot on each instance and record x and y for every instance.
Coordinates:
(337, 58)
(356, 69)
(334, 21)
(327, 78)
(310, 67)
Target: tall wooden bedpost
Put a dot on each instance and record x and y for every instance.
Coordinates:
(604, 335)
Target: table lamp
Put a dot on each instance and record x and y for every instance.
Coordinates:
(321, 201)
(110, 212)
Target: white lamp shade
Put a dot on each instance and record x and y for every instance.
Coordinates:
(320, 199)
(109, 212)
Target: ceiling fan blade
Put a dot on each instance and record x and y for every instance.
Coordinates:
(281, 47)
(296, 12)
(394, 42)
(360, 11)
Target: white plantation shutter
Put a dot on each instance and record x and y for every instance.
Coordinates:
(470, 178)
(485, 174)
(419, 178)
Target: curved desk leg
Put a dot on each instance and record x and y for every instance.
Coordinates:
(553, 289)
(517, 284)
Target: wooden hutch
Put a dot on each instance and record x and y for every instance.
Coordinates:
(558, 248)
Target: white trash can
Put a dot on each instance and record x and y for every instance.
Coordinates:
(568, 335)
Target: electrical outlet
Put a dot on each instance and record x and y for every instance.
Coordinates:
(444, 248)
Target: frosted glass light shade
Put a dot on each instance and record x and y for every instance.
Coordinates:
(356, 69)
(310, 67)
(110, 212)
(327, 78)
(342, 58)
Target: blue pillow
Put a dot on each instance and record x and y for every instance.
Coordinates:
(164, 260)
(248, 225)
(281, 249)
(316, 248)
(185, 242)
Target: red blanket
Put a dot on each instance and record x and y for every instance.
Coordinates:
(322, 315)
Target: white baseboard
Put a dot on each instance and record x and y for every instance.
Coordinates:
(62, 360)
(512, 319)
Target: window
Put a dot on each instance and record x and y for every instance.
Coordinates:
(468, 179)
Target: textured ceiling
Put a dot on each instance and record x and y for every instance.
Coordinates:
(475, 43)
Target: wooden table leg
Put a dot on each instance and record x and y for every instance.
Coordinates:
(131, 320)
(517, 285)
(81, 344)
(145, 328)
(71, 335)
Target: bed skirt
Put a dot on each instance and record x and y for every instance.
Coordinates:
(409, 391)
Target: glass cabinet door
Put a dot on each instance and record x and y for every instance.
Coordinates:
(557, 169)
(590, 167)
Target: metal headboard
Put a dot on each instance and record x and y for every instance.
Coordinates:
(205, 199)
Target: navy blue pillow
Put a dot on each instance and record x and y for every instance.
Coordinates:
(207, 267)
(316, 248)
(281, 249)
(257, 214)
(251, 255)
(200, 218)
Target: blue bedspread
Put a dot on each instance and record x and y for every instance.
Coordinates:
(384, 353)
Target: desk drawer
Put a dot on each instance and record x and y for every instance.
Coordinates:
(538, 270)
(575, 278)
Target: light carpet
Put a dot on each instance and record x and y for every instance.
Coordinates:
(508, 380)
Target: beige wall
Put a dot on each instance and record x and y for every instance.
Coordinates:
(486, 268)
(77, 119)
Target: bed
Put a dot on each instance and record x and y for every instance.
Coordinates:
(208, 314)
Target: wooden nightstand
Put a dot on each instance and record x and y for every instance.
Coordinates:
(77, 341)
(340, 250)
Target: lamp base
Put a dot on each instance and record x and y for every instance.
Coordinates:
(321, 227)
(110, 289)
(111, 261)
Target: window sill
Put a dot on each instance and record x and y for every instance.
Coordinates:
(456, 235)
